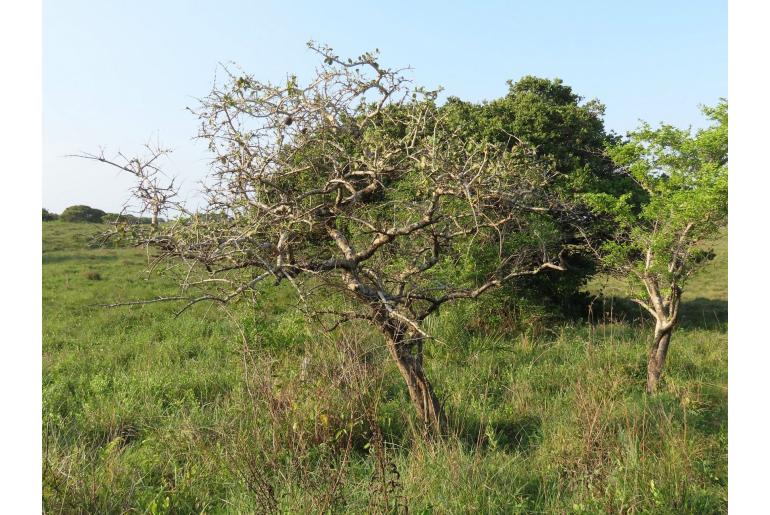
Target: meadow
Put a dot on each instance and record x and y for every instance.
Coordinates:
(254, 410)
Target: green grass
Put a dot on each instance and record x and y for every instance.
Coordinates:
(146, 413)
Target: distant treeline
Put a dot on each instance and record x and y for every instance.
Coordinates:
(87, 214)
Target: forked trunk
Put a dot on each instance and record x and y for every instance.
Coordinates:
(657, 356)
(666, 314)
(420, 390)
(406, 350)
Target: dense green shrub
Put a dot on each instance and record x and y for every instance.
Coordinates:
(569, 133)
(82, 213)
(48, 216)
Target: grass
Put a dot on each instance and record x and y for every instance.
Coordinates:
(146, 413)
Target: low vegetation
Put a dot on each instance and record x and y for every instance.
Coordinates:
(150, 413)
(87, 214)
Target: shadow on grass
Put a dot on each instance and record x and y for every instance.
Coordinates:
(519, 435)
(699, 313)
(61, 258)
(708, 416)
(703, 313)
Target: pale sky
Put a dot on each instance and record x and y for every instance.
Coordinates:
(116, 74)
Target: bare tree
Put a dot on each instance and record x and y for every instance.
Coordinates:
(353, 188)
(154, 196)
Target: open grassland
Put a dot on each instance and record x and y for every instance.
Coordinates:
(147, 413)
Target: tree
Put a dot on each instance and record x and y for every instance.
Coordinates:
(82, 213)
(565, 130)
(548, 115)
(48, 216)
(658, 242)
(355, 188)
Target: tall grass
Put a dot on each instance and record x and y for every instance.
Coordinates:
(146, 413)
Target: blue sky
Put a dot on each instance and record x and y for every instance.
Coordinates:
(118, 73)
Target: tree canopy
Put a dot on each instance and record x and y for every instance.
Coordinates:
(49, 216)
(568, 132)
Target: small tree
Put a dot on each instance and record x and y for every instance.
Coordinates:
(49, 216)
(354, 188)
(82, 213)
(658, 241)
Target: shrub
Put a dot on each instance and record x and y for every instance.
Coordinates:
(48, 216)
(82, 214)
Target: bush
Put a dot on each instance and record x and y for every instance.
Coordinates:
(48, 216)
(82, 214)
(111, 218)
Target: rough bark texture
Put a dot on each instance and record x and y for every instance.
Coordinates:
(406, 349)
(665, 311)
(657, 357)
(420, 389)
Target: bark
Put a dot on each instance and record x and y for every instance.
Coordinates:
(657, 356)
(406, 349)
(666, 314)
(154, 221)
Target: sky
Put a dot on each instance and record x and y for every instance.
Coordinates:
(119, 74)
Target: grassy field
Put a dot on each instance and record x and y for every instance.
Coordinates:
(146, 413)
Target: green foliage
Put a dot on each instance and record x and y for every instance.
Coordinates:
(567, 132)
(548, 115)
(684, 177)
(82, 213)
(48, 216)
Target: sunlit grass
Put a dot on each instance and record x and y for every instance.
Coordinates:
(146, 412)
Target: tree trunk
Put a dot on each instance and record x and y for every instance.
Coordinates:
(154, 221)
(420, 390)
(657, 356)
(406, 350)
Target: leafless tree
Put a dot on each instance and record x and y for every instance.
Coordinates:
(355, 189)
(154, 191)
